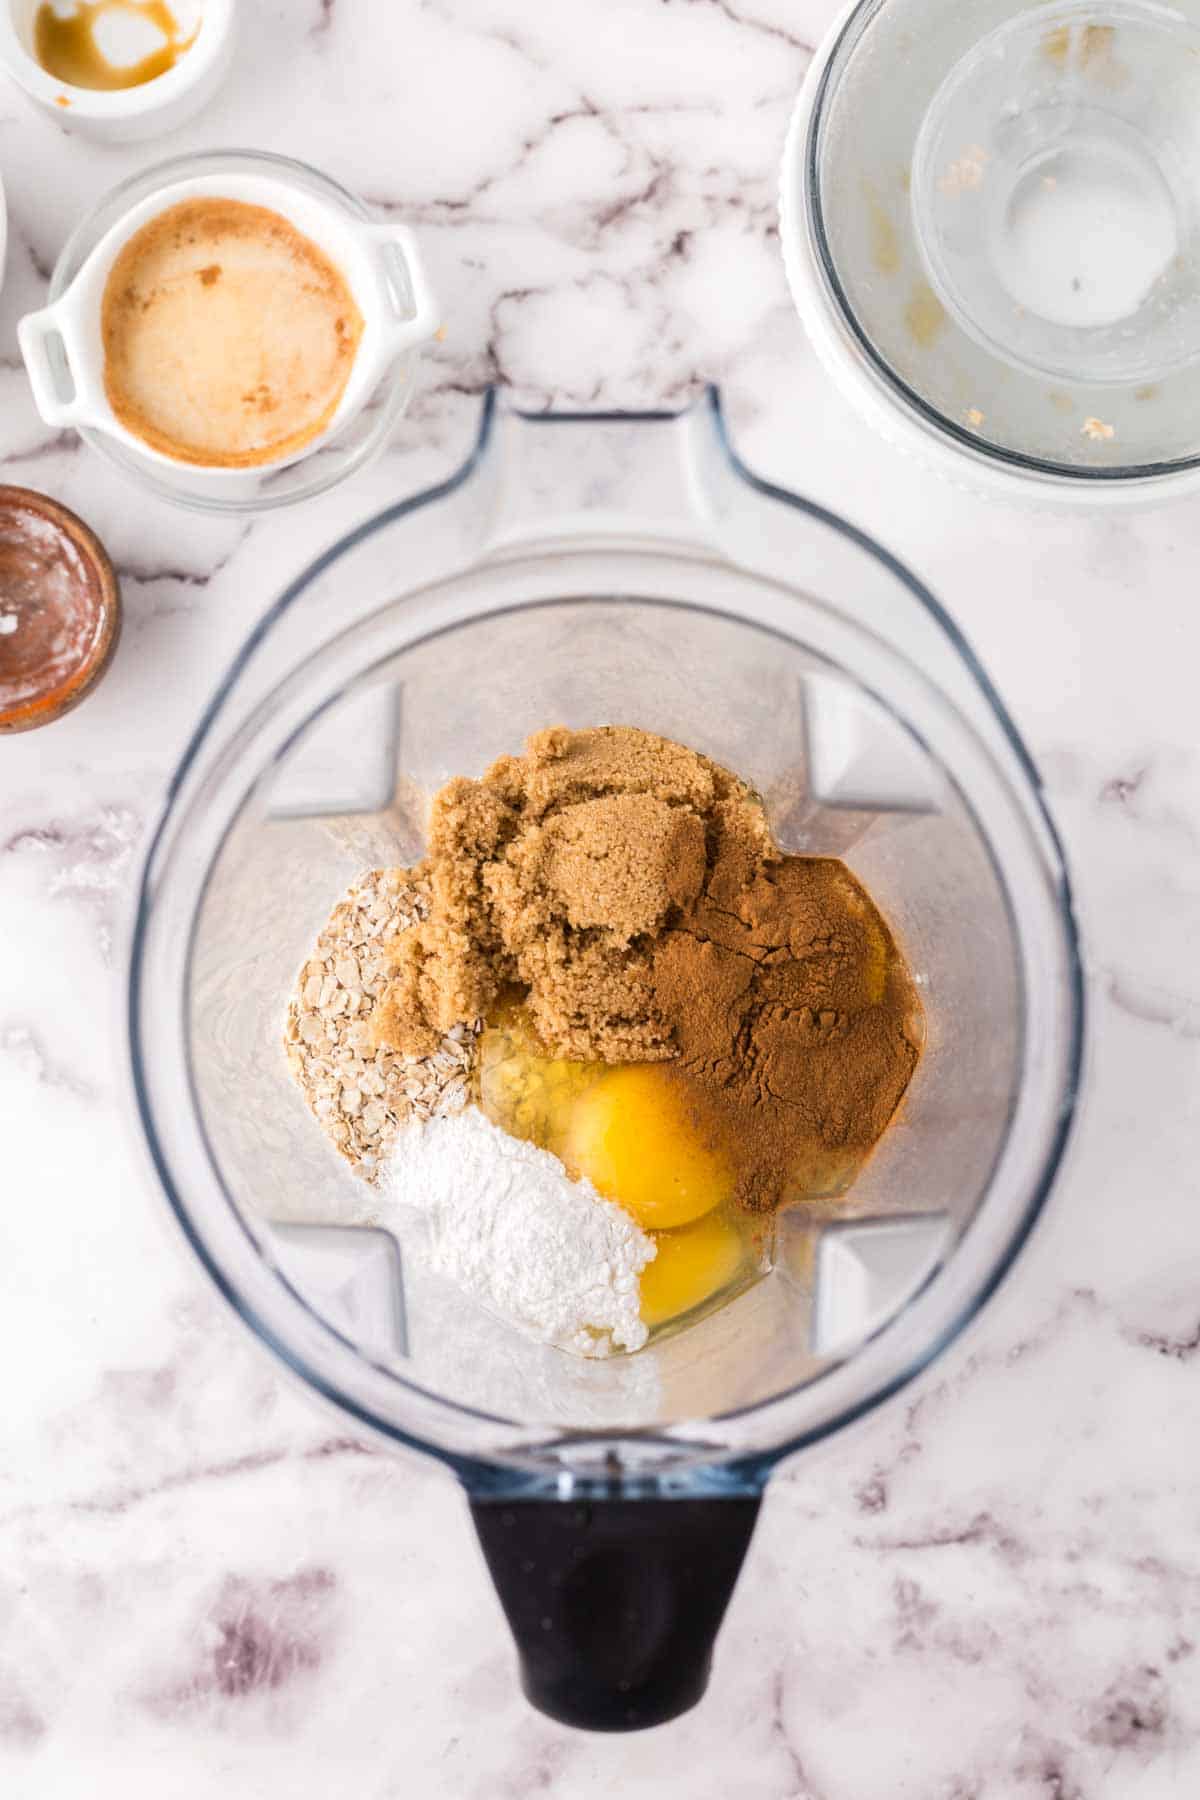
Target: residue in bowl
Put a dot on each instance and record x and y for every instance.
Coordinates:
(110, 44)
(924, 315)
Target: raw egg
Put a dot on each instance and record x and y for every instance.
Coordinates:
(692, 1265)
(629, 1134)
(628, 1130)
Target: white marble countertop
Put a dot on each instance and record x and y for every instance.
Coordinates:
(991, 1590)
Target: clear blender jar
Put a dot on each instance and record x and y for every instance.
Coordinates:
(586, 571)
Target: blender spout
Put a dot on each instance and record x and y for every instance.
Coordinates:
(615, 1602)
(635, 477)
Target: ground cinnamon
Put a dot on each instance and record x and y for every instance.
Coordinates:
(796, 1023)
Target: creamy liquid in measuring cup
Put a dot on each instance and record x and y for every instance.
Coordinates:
(229, 336)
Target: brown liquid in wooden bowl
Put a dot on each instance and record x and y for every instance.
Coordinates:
(60, 609)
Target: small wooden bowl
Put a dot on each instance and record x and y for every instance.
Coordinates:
(60, 610)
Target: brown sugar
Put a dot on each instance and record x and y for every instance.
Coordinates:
(629, 889)
(554, 872)
(620, 863)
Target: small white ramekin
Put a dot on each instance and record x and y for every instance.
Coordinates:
(64, 351)
(122, 115)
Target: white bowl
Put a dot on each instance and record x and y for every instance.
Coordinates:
(123, 115)
(64, 351)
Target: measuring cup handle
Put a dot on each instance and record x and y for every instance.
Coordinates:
(615, 1603)
(404, 333)
(33, 334)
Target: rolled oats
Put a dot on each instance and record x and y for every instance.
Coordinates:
(359, 1093)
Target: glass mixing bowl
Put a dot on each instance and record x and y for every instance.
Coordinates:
(991, 224)
(589, 571)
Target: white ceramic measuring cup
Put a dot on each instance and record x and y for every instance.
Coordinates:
(64, 351)
(132, 114)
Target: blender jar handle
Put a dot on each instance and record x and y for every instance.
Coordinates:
(615, 1602)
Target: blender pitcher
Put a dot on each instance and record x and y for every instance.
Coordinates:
(591, 570)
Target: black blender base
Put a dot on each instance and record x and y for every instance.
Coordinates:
(614, 1604)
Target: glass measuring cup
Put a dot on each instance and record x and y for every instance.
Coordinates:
(591, 571)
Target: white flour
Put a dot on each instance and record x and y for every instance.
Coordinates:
(508, 1224)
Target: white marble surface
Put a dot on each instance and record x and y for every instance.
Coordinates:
(991, 1591)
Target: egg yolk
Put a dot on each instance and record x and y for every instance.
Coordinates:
(691, 1266)
(630, 1136)
(629, 1131)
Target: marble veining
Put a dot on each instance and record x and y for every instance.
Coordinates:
(989, 1590)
